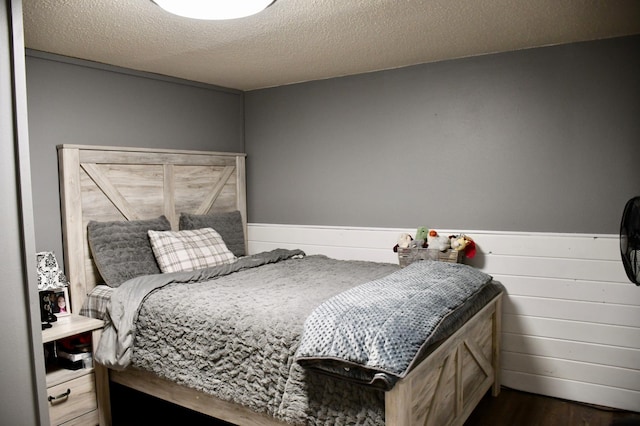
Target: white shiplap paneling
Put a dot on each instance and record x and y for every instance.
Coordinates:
(571, 320)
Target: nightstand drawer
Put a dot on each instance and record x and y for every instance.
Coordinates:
(72, 399)
(92, 418)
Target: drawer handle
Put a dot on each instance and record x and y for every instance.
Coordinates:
(59, 398)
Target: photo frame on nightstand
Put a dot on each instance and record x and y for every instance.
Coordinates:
(55, 302)
(61, 306)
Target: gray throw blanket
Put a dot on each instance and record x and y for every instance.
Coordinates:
(114, 348)
(384, 326)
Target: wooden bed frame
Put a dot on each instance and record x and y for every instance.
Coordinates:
(114, 183)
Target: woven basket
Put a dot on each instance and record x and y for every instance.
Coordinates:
(407, 256)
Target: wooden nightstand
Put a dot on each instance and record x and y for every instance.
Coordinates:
(76, 397)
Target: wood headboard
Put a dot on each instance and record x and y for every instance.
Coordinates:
(113, 183)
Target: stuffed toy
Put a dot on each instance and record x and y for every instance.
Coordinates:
(439, 242)
(404, 241)
(453, 241)
(464, 243)
(421, 237)
(432, 238)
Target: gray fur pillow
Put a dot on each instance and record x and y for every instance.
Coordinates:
(121, 249)
(228, 225)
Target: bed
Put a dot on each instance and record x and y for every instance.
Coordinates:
(442, 383)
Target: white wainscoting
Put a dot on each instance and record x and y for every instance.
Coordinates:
(571, 320)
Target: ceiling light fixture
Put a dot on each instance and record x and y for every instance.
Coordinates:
(213, 9)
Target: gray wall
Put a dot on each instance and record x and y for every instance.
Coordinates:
(77, 102)
(22, 371)
(545, 139)
(538, 140)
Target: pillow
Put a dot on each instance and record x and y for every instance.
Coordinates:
(228, 225)
(121, 249)
(188, 250)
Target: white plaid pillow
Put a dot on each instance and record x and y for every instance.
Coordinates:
(188, 250)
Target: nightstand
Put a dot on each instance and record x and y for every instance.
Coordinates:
(75, 396)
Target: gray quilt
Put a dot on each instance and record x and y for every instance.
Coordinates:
(114, 348)
(233, 332)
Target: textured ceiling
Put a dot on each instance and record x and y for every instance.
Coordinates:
(301, 40)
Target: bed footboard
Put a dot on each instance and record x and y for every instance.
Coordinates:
(445, 388)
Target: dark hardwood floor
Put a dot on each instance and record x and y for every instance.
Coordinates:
(510, 408)
(525, 409)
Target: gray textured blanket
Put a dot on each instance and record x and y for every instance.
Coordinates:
(383, 326)
(114, 348)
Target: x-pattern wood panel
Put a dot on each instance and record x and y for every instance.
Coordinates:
(113, 182)
(447, 400)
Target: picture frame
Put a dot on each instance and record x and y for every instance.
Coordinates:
(55, 302)
(62, 307)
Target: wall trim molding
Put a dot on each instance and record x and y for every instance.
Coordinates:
(445, 231)
(127, 71)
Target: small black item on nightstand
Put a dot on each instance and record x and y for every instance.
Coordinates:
(46, 309)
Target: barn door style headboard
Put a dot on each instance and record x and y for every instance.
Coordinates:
(114, 183)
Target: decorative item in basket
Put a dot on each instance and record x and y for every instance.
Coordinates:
(429, 245)
(464, 244)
